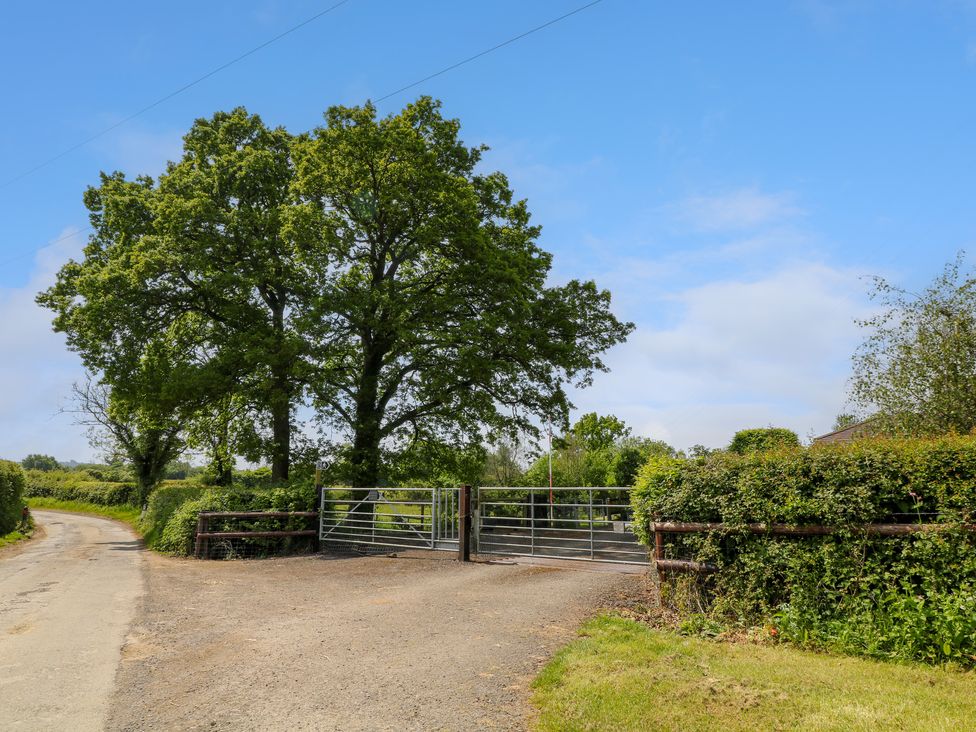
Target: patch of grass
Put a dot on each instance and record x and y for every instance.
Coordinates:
(126, 514)
(623, 675)
(12, 538)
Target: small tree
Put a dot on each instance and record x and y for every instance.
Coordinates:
(763, 439)
(148, 439)
(916, 369)
(40, 462)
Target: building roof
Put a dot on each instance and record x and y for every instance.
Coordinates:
(846, 434)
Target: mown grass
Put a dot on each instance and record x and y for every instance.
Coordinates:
(126, 514)
(622, 675)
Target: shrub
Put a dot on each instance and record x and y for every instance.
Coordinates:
(179, 530)
(162, 504)
(763, 439)
(900, 597)
(74, 485)
(11, 496)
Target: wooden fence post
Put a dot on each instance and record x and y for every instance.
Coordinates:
(201, 529)
(464, 525)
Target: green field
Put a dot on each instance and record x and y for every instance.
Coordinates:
(621, 675)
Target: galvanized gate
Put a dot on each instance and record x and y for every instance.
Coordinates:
(590, 524)
(407, 518)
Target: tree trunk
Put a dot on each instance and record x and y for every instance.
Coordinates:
(280, 404)
(365, 456)
(280, 437)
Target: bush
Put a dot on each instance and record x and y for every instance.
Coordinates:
(79, 485)
(11, 496)
(179, 530)
(763, 440)
(899, 597)
(162, 504)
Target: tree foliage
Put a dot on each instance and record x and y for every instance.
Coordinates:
(596, 451)
(763, 439)
(435, 320)
(367, 268)
(916, 369)
(40, 462)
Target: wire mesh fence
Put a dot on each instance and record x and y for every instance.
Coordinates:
(255, 534)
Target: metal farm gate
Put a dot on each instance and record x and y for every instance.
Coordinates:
(590, 524)
(406, 518)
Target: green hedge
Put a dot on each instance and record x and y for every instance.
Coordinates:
(905, 597)
(11, 496)
(69, 485)
(171, 517)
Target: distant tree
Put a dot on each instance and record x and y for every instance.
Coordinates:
(843, 421)
(40, 462)
(593, 432)
(504, 464)
(630, 455)
(597, 451)
(763, 439)
(916, 369)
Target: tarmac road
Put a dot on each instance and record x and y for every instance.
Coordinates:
(66, 603)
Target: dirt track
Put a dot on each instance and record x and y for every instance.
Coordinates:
(408, 643)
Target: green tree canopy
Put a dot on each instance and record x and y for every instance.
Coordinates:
(916, 369)
(367, 267)
(435, 319)
(40, 462)
(763, 439)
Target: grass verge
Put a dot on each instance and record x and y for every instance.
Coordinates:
(126, 514)
(12, 538)
(622, 675)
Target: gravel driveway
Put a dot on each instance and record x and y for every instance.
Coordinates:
(415, 642)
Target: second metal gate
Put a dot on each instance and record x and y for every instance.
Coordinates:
(591, 524)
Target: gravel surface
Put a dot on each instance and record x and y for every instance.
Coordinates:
(66, 601)
(416, 642)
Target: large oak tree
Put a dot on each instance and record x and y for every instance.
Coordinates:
(369, 266)
(434, 317)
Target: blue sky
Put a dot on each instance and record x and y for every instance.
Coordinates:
(729, 170)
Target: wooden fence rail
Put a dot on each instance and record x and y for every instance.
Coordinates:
(203, 534)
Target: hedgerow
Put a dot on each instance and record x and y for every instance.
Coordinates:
(65, 485)
(178, 530)
(895, 597)
(11, 496)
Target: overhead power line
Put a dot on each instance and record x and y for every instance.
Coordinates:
(478, 55)
(305, 22)
(167, 97)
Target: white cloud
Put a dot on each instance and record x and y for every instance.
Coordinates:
(37, 370)
(741, 353)
(745, 208)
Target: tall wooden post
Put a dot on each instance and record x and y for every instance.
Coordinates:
(316, 542)
(464, 525)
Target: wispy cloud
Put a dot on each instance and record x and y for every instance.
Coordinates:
(737, 210)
